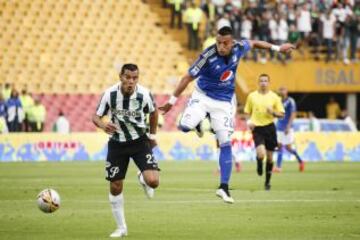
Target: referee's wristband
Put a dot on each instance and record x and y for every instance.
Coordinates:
(275, 48)
(172, 100)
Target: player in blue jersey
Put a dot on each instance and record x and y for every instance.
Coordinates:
(285, 130)
(215, 71)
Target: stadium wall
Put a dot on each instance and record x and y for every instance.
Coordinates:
(173, 146)
(302, 77)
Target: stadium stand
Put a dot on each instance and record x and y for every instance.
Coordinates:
(59, 46)
(67, 51)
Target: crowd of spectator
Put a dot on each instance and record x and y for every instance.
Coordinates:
(24, 113)
(328, 28)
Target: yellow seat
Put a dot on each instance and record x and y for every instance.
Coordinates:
(73, 46)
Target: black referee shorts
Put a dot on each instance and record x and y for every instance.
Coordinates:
(119, 155)
(266, 135)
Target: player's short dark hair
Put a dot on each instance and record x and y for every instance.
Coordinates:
(129, 66)
(225, 31)
(264, 75)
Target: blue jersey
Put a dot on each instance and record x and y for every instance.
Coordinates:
(290, 107)
(216, 74)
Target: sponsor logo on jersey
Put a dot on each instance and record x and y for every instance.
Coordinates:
(125, 113)
(226, 76)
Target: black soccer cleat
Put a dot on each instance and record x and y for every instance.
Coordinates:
(267, 187)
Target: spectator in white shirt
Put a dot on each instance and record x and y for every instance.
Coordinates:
(62, 124)
(342, 15)
(246, 29)
(304, 20)
(283, 33)
(328, 32)
(274, 34)
(303, 23)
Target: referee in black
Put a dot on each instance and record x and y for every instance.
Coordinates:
(263, 106)
(127, 103)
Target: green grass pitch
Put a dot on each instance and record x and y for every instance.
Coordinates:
(321, 203)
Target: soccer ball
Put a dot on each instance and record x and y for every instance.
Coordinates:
(48, 200)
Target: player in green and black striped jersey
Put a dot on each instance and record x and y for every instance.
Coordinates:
(127, 103)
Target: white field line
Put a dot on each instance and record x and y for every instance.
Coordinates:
(190, 201)
(255, 190)
(196, 190)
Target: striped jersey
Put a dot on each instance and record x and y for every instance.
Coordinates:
(127, 112)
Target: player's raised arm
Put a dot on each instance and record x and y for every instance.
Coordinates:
(184, 82)
(284, 48)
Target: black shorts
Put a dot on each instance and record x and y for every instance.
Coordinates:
(119, 155)
(265, 135)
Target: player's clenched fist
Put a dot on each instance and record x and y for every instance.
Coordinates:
(165, 108)
(287, 47)
(110, 128)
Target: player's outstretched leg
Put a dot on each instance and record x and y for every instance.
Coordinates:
(225, 162)
(193, 116)
(149, 180)
(116, 199)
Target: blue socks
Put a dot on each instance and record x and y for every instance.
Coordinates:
(279, 157)
(294, 152)
(225, 162)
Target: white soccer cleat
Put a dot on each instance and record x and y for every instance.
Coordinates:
(118, 233)
(222, 194)
(149, 192)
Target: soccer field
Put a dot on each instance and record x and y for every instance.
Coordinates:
(321, 203)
